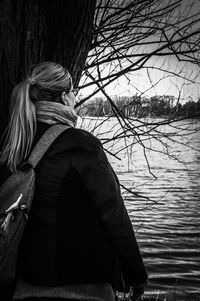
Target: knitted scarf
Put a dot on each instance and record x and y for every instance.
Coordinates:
(54, 112)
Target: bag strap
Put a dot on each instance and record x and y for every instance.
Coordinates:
(44, 143)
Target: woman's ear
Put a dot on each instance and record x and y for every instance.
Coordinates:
(68, 99)
(63, 98)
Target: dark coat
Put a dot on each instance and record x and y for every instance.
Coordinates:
(78, 230)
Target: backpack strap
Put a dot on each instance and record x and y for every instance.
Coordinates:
(44, 143)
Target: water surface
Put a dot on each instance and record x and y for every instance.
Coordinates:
(167, 218)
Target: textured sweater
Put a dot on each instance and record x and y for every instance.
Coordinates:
(79, 230)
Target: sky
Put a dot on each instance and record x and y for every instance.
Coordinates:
(164, 84)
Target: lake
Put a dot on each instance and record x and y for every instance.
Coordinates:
(166, 217)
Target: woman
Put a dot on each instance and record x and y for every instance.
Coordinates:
(79, 243)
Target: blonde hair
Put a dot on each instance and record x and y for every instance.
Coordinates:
(45, 83)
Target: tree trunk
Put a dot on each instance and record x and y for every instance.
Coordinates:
(42, 30)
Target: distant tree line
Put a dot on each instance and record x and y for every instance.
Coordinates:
(137, 106)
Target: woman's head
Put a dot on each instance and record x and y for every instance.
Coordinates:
(48, 81)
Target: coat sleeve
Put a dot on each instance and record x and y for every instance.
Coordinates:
(92, 164)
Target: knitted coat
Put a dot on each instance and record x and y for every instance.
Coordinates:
(78, 230)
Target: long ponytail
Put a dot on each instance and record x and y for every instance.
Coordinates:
(21, 128)
(44, 83)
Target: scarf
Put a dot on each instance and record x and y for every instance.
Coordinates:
(54, 112)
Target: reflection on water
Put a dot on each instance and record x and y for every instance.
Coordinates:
(168, 225)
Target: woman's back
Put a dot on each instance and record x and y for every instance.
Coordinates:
(79, 230)
(65, 231)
